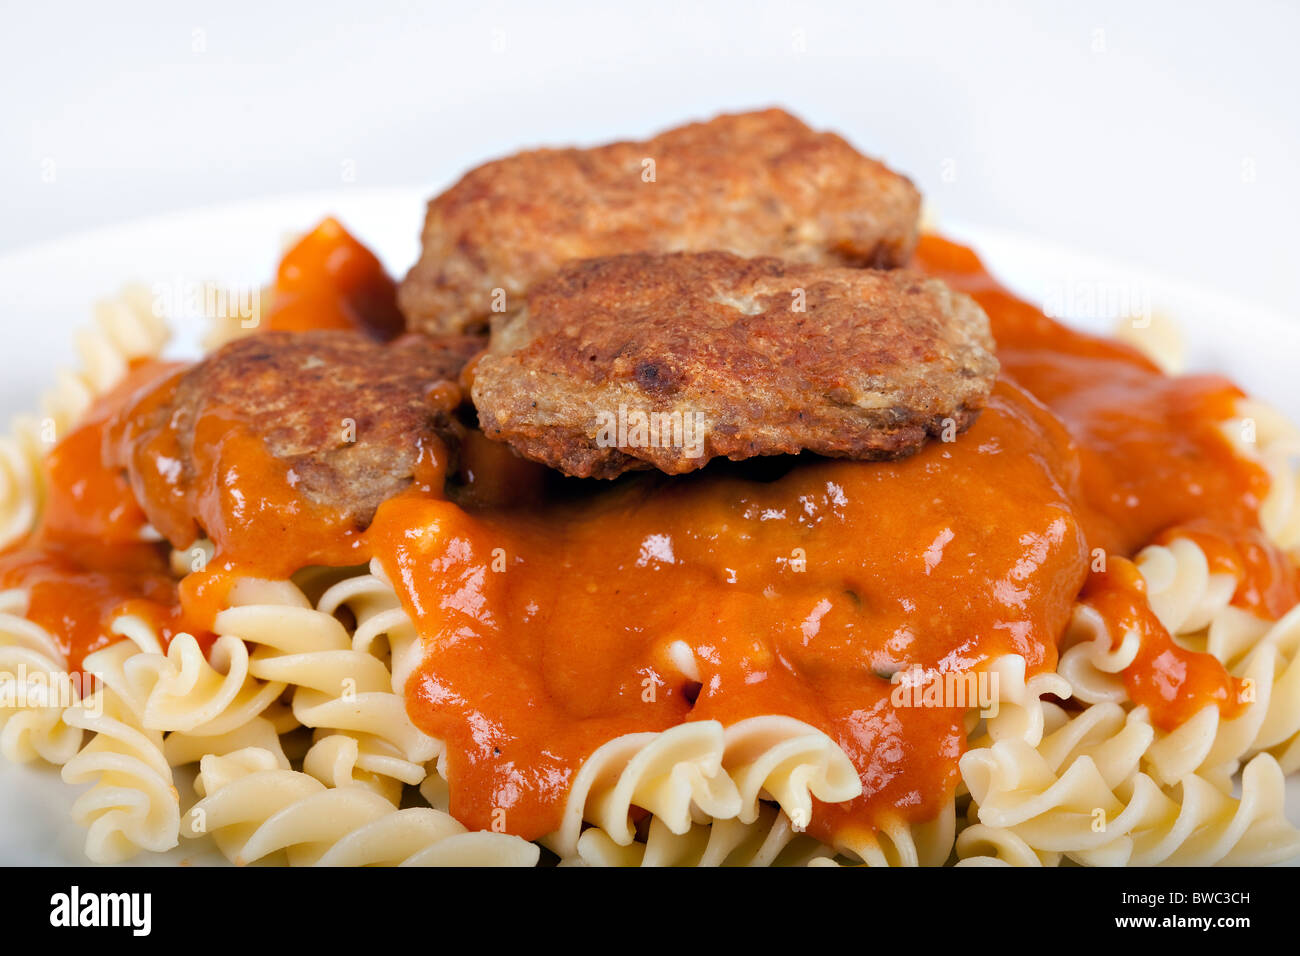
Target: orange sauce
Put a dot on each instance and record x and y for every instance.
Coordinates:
(553, 612)
(87, 564)
(547, 629)
(329, 280)
(1152, 453)
(1173, 682)
(1266, 580)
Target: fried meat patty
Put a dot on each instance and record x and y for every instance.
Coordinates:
(759, 183)
(765, 357)
(297, 392)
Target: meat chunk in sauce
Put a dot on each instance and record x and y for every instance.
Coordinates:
(666, 361)
(758, 183)
(349, 418)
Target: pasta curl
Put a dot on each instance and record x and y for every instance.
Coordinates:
(337, 686)
(768, 840)
(124, 330)
(1079, 794)
(133, 804)
(1264, 434)
(32, 681)
(255, 810)
(676, 775)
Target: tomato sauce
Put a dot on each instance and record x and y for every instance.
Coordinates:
(800, 595)
(90, 560)
(557, 614)
(329, 280)
(1173, 682)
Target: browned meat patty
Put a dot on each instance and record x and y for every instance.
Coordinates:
(874, 363)
(295, 390)
(753, 184)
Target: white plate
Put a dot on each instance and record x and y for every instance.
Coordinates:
(46, 293)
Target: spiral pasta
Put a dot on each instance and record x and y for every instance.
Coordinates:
(1092, 662)
(381, 622)
(1264, 434)
(1182, 591)
(255, 810)
(1018, 715)
(1214, 747)
(769, 839)
(1018, 696)
(133, 803)
(338, 687)
(1159, 339)
(181, 747)
(339, 759)
(124, 329)
(1193, 604)
(1079, 793)
(32, 679)
(901, 843)
(981, 845)
(789, 762)
(774, 758)
(676, 775)
(206, 695)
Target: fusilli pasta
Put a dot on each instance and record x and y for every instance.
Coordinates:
(133, 803)
(32, 676)
(256, 810)
(124, 329)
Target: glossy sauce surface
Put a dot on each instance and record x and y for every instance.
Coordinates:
(1172, 682)
(91, 560)
(554, 622)
(549, 630)
(329, 280)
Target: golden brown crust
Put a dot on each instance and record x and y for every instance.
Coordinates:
(758, 183)
(296, 391)
(874, 363)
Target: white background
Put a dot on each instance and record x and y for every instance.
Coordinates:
(1162, 134)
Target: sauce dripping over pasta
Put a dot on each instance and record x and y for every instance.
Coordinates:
(801, 595)
(1172, 682)
(554, 622)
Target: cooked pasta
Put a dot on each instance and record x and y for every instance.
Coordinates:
(1156, 336)
(181, 748)
(133, 804)
(1182, 591)
(1263, 433)
(125, 329)
(338, 759)
(207, 695)
(336, 687)
(1079, 793)
(32, 677)
(788, 762)
(1193, 604)
(676, 775)
(1212, 746)
(256, 810)
(899, 843)
(769, 839)
(1019, 713)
